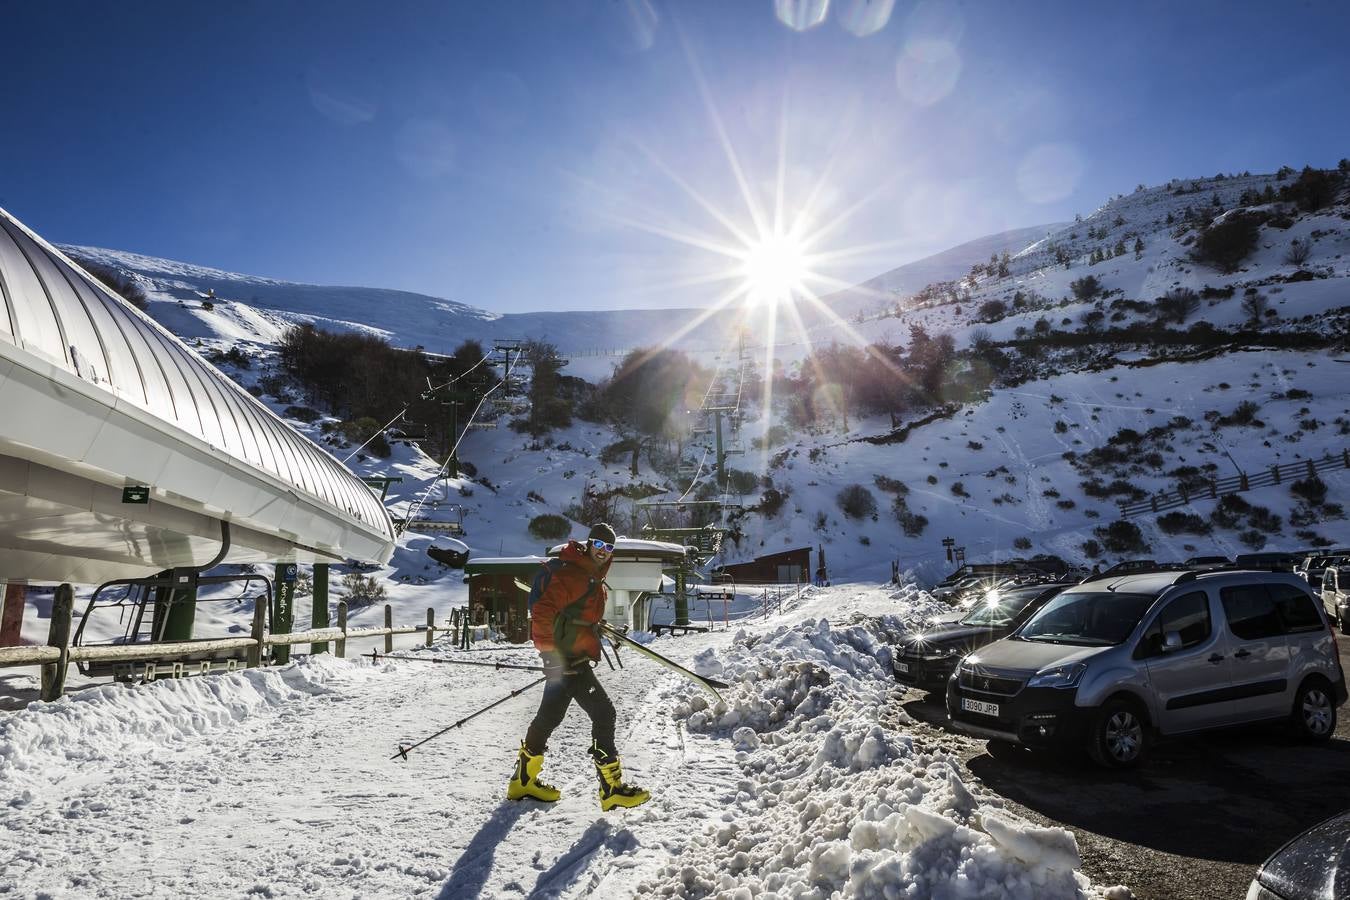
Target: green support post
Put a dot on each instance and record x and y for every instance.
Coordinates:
(318, 610)
(283, 610)
(681, 599)
(721, 453)
(175, 612)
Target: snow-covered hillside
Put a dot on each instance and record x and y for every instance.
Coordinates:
(1099, 400)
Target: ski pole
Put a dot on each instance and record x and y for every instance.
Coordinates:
(376, 657)
(403, 751)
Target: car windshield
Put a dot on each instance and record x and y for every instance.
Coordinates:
(1090, 619)
(1000, 608)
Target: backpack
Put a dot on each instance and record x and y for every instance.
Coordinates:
(541, 579)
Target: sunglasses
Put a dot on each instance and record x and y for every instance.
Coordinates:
(602, 545)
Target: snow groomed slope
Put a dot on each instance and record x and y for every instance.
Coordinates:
(98, 398)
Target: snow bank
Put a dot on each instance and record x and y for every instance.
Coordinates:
(833, 803)
(46, 741)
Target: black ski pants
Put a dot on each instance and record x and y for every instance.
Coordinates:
(567, 682)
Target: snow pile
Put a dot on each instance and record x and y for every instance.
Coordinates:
(39, 744)
(831, 802)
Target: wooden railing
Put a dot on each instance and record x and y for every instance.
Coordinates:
(57, 654)
(1219, 487)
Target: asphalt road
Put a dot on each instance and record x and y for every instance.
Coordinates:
(1193, 822)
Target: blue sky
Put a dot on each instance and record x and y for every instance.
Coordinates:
(547, 155)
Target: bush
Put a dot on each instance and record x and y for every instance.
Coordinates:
(1224, 245)
(302, 413)
(911, 523)
(367, 429)
(359, 590)
(1183, 523)
(993, 310)
(1313, 489)
(1298, 252)
(1177, 306)
(1022, 543)
(550, 527)
(959, 489)
(892, 486)
(857, 501)
(1313, 189)
(740, 481)
(1086, 288)
(1252, 539)
(1243, 414)
(1121, 536)
(121, 285)
(772, 502)
(1092, 549)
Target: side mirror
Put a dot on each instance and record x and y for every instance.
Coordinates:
(1171, 642)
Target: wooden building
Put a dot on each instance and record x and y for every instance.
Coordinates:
(786, 567)
(495, 595)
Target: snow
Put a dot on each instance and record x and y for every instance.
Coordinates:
(279, 781)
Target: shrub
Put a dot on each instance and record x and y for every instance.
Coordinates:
(1225, 244)
(1298, 252)
(857, 501)
(366, 431)
(123, 286)
(1022, 543)
(1065, 504)
(1086, 288)
(772, 502)
(1264, 520)
(360, 590)
(740, 481)
(1255, 306)
(1092, 549)
(550, 527)
(1313, 489)
(891, 485)
(302, 413)
(1177, 306)
(959, 489)
(1252, 539)
(911, 522)
(993, 310)
(1121, 536)
(1243, 414)
(1313, 189)
(1183, 523)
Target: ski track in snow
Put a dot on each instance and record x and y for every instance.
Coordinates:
(279, 782)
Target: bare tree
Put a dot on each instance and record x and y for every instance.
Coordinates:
(1298, 252)
(1254, 305)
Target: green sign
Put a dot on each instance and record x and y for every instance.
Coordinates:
(135, 494)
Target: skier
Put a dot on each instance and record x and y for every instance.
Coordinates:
(570, 602)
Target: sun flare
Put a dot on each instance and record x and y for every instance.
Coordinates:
(775, 268)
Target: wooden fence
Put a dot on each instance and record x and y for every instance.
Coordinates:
(1219, 487)
(56, 655)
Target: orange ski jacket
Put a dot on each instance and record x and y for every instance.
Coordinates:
(570, 604)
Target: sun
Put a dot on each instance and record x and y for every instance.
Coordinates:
(775, 269)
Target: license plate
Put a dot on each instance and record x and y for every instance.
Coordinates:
(979, 706)
(902, 667)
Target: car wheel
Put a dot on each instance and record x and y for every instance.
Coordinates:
(1119, 736)
(1314, 713)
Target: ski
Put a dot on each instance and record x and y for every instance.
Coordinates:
(376, 656)
(709, 684)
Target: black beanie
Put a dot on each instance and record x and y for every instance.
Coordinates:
(603, 532)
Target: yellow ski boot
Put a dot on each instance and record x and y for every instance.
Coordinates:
(613, 791)
(526, 783)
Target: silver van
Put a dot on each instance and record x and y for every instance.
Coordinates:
(1112, 662)
(1336, 595)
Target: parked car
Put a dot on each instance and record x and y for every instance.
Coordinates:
(1283, 562)
(1208, 561)
(952, 592)
(927, 660)
(1312, 567)
(1315, 865)
(1336, 596)
(1113, 662)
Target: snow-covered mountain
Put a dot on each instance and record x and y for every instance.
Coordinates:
(1065, 398)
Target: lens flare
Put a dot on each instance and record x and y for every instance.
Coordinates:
(774, 268)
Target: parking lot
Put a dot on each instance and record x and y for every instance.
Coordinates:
(1194, 821)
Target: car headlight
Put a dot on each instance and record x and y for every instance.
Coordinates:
(1065, 676)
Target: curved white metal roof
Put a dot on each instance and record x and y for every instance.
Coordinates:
(95, 389)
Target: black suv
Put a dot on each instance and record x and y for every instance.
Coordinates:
(927, 660)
